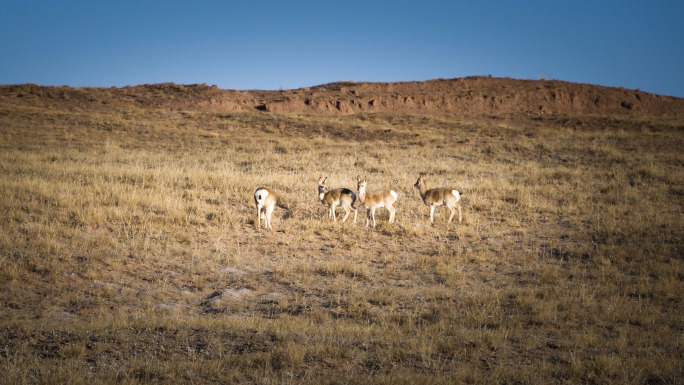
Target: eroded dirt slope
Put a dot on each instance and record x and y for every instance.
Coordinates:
(460, 96)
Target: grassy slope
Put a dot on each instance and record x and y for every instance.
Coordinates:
(128, 251)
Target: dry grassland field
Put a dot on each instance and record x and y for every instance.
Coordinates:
(129, 251)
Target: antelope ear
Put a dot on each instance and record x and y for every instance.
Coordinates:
(326, 178)
(358, 178)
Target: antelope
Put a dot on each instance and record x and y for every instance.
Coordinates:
(338, 197)
(439, 196)
(265, 200)
(376, 199)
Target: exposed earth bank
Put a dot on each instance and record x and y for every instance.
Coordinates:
(459, 96)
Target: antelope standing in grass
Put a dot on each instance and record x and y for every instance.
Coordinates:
(439, 196)
(265, 200)
(338, 197)
(376, 199)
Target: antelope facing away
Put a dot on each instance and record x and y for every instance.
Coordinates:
(439, 196)
(376, 199)
(338, 197)
(265, 200)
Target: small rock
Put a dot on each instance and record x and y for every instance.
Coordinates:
(143, 293)
(64, 316)
(231, 270)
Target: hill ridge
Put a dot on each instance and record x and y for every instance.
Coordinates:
(474, 95)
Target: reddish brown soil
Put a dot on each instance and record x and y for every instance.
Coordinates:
(460, 96)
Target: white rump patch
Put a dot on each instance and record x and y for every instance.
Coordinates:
(261, 194)
(394, 194)
(455, 193)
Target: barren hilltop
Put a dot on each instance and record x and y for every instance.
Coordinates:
(459, 96)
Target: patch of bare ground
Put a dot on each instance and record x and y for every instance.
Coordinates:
(129, 253)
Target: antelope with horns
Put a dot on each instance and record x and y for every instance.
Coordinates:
(265, 200)
(376, 199)
(439, 196)
(338, 197)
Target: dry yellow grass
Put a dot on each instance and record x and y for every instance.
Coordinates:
(129, 254)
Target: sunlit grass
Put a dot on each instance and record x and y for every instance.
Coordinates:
(129, 254)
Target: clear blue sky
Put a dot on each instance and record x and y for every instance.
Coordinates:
(292, 44)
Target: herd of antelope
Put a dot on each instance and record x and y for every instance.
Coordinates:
(265, 199)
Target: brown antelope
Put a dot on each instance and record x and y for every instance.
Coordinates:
(376, 199)
(265, 200)
(338, 197)
(439, 196)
